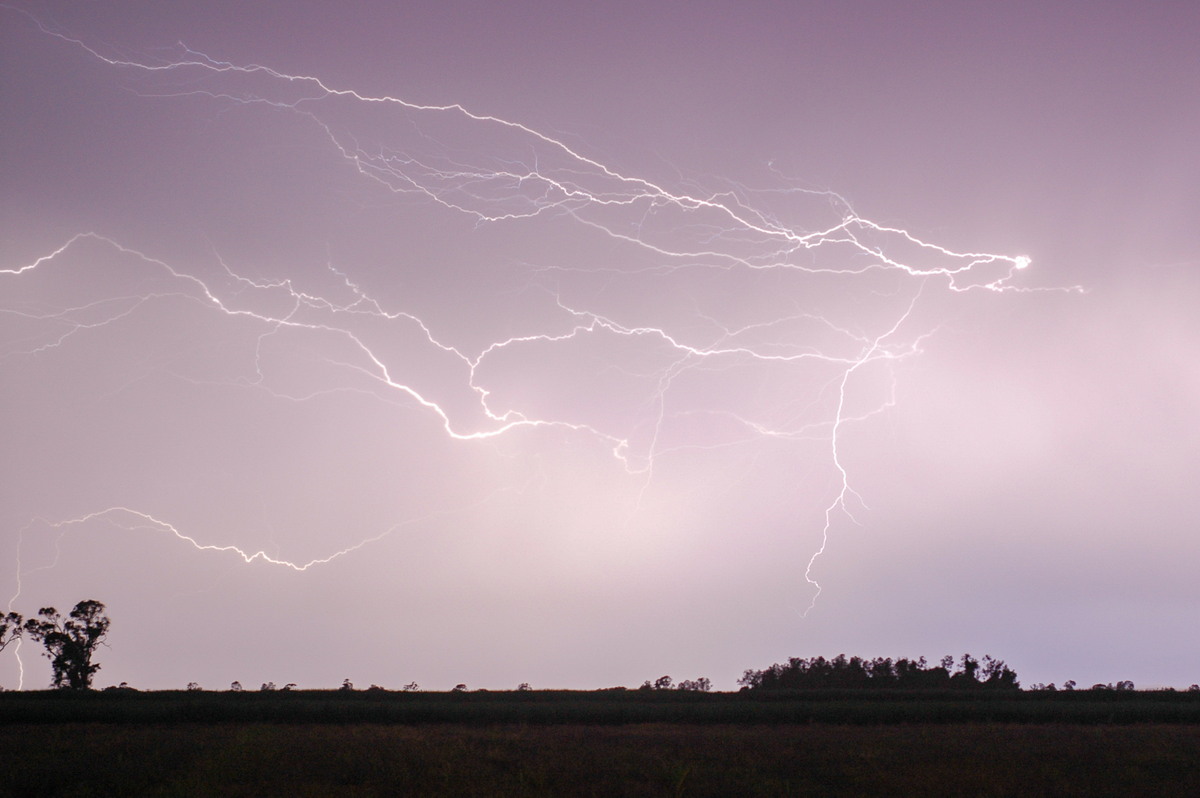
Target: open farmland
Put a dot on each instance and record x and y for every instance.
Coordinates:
(595, 743)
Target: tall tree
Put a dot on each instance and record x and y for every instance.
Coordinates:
(71, 642)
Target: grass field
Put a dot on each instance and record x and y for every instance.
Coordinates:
(595, 744)
(611, 761)
(602, 707)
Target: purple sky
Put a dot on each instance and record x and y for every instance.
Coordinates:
(559, 386)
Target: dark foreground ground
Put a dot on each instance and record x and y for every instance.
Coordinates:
(611, 761)
(548, 744)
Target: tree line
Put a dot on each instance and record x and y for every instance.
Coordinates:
(70, 644)
(843, 672)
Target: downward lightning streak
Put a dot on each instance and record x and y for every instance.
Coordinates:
(527, 175)
(839, 501)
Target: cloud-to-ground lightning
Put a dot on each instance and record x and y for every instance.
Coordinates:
(855, 288)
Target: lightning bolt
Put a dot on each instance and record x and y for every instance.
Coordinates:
(522, 174)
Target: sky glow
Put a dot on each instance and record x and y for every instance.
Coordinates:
(494, 372)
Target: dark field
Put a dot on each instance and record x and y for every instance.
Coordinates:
(593, 744)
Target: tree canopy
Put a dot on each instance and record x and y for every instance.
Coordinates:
(10, 628)
(854, 672)
(70, 642)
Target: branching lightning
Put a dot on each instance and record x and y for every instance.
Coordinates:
(520, 174)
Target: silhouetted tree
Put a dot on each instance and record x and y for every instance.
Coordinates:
(71, 642)
(968, 667)
(998, 676)
(661, 683)
(1122, 686)
(10, 628)
(701, 685)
